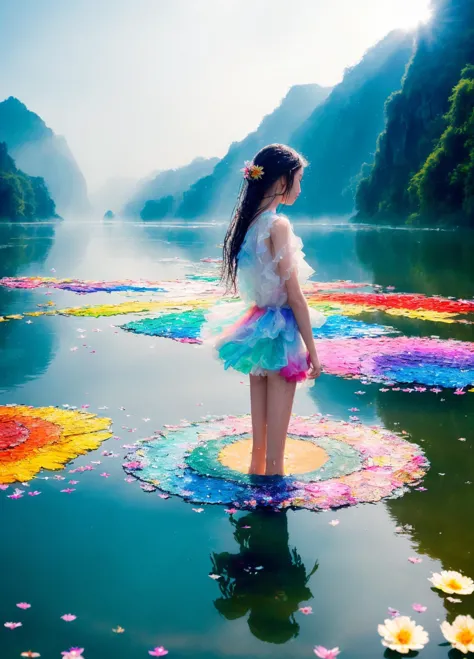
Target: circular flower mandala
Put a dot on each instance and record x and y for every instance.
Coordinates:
(34, 438)
(329, 464)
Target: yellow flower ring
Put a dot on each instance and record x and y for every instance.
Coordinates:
(329, 464)
(35, 438)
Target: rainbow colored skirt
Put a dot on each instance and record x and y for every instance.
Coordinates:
(259, 341)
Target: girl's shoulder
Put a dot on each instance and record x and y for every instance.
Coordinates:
(272, 218)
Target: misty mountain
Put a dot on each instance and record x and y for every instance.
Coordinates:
(22, 197)
(37, 151)
(171, 182)
(113, 194)
(215, 194)
(341, 133)
(424, 165)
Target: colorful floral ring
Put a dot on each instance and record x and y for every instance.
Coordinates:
(329, 463)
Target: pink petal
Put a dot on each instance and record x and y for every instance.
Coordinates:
(306, 610)
(24, 605)
(12, 625)
(324, 653)
(419, 608)
(68, 617)
(158, 652)
(393, 613)
(414, 559)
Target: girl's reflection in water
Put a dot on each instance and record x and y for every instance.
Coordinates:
(265, 579)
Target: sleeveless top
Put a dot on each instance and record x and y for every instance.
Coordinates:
(261, 275)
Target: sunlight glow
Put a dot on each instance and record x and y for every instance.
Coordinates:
(410, 16)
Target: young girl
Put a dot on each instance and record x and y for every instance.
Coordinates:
(263, 259)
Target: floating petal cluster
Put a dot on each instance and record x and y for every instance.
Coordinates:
(330, 464)
(83, 285)
(35, 438)
(401, 359)
(419, 306)
(185, 326)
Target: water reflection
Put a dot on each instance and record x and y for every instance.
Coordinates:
(265, 579)
(25, 349)
(429, 262)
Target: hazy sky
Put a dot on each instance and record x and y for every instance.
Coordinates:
(141, 85)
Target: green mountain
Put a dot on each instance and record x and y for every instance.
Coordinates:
(22, 197)
(424, 165)
(39, 152)
(215, 194)
(341, 133)
(172, 182)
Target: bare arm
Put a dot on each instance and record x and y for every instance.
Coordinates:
(280, 236)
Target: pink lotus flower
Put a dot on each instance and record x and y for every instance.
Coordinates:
(306, 610)
(324, 653)
(231, 511)
(68, 617)
(3, 487)
(414, 559)
(24, 605)
(158, 652)
(436, 390)
(12, 625)
(73, 482)
(68, 490)
(354, 409)
(15, 495)
(419, 608)
(164, 496)
(73, 653)
(393, 613)
(459, 392)
(104, 474)
(35, 493)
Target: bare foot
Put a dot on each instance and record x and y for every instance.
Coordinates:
(257, 467)
(274, 469)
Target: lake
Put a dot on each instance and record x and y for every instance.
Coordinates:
(114, 555)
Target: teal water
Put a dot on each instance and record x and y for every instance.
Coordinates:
(112, 554)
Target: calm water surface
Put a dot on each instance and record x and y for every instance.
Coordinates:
(114, 555)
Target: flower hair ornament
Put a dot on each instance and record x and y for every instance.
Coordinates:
(252, 172)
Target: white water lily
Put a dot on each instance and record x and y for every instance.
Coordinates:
(460, 633)
(402, 634)
(452, 582)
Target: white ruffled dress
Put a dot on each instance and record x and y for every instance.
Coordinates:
(260, 333)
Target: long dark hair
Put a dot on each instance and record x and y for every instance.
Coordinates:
(277, 160)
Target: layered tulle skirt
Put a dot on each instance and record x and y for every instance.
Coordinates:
(258, 340)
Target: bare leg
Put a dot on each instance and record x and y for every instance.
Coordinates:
(280, 395)
(258, 406)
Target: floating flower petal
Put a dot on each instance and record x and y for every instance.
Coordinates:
(32, 439)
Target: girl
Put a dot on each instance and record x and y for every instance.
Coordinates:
(263, 259)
